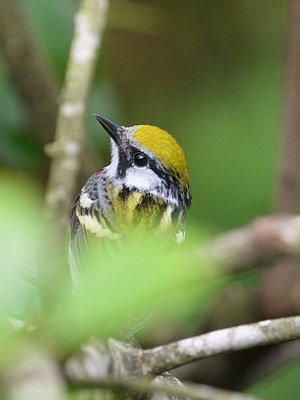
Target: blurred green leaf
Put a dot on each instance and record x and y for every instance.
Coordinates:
(118, 288)
(20, 232)
(283, 384)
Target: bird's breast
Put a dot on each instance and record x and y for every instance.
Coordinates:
(135, 210)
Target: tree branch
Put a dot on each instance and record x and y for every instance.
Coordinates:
(89, 26)
(142, 386)
(96, 362)
(173, 355)
(33, 373)
(262, 241)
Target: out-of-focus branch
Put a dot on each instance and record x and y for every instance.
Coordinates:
(260, 242)
(33, 374)
(29, 70)
(141, 386)
(289, 184)
(89, 27)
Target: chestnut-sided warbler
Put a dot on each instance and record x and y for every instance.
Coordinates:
(144, 188)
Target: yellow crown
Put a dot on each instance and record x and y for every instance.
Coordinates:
(165, 147)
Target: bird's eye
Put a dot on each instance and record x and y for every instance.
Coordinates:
(140, 160)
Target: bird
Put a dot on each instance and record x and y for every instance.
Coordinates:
(144, 188)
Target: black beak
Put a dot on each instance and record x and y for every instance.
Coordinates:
(111, 128)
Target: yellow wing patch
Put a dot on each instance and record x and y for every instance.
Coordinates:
(92, 225)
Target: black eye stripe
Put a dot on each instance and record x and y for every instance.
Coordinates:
(170, 179)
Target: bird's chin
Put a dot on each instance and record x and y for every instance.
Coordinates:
(112, 168)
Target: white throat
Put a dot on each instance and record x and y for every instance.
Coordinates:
(111, 169)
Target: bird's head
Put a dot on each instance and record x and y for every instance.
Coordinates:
(148, 159)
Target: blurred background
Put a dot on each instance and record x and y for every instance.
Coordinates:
(210, 73)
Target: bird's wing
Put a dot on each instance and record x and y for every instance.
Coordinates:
(91, 224)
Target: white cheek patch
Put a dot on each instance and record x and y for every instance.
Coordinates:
(141, 178)
(146, 180)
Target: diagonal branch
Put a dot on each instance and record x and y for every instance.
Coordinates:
(89, 26)
(173, 355)
(121, 359)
